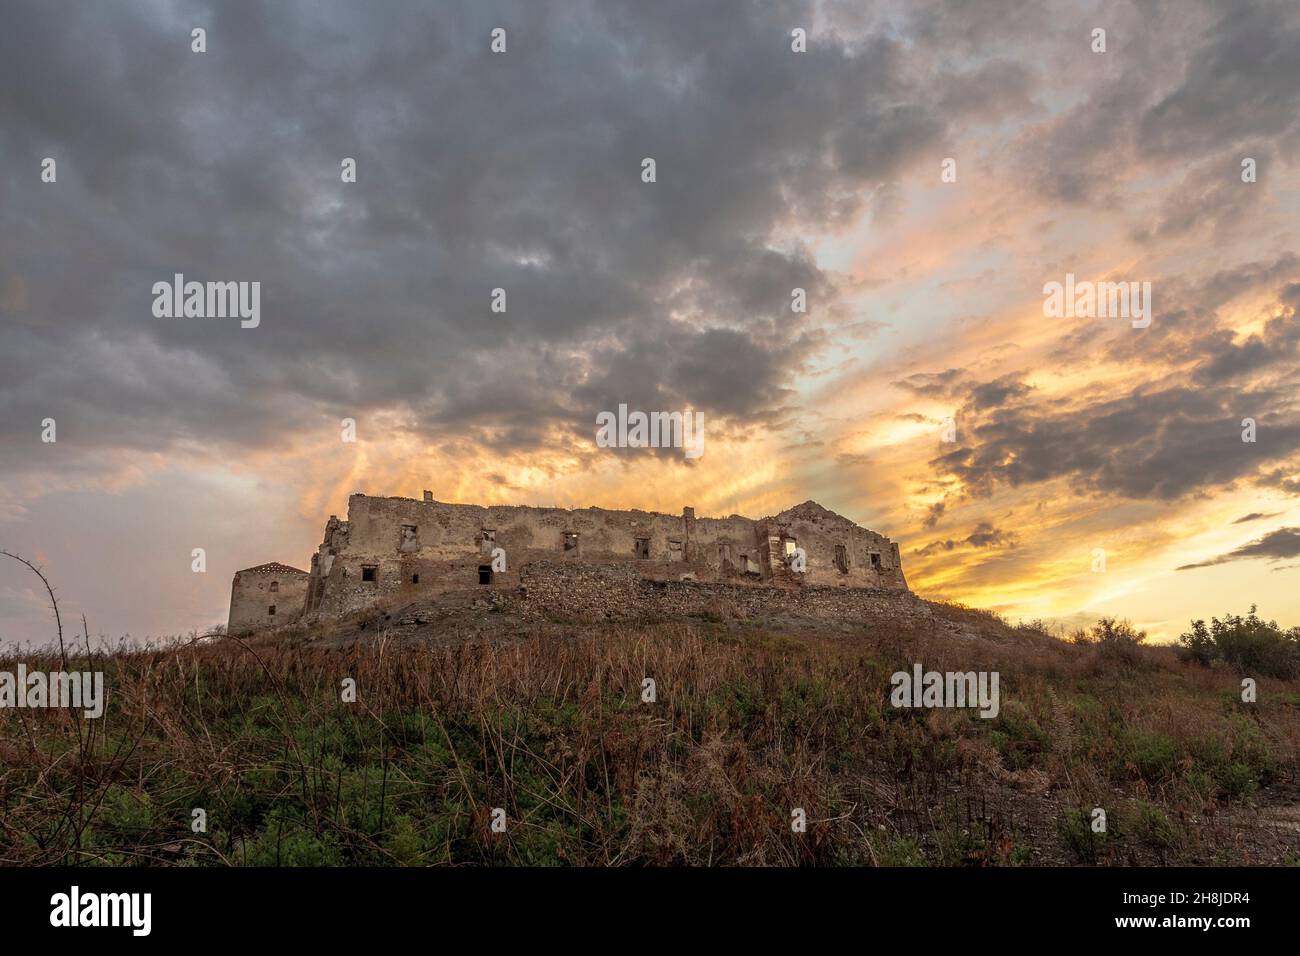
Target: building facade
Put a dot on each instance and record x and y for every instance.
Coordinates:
(266, 596)
(394, 549)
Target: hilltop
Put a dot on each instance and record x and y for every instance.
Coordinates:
(745, 722)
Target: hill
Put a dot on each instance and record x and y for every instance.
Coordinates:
(548, 728)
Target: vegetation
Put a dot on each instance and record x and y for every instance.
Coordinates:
(1248, 644)
(1115, 641)
(746, 727)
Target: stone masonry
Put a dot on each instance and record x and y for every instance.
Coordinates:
(266, 596)
(403, 549)
(618, 593)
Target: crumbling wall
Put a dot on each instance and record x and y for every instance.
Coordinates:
(550, 589)
(268, 595)
(580, 590)
(867, 559)
(395, 548)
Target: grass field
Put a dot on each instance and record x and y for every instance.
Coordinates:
(747, 726)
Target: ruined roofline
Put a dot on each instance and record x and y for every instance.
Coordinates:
(272, 567)
(395, 547)
(471, 504)
(801, 510)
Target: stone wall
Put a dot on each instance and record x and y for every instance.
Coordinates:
(620, 594)
(403, 548)
(266, 596)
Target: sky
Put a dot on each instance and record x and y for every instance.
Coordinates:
(1046, 467)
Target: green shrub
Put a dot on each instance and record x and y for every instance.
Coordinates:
(899, 851)
(1154, 755)
(1153, 827)
(1018, 736)
(1237, 780)
(285, 843)
(1249, 644)
(404, 843)
(1075, 829)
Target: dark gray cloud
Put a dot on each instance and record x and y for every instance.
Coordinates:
(1176, 435)
(1282, 543)
(1212, 197)
(1179, 83)
(933, 514)
(1256, 516)
(1162, 443)
(996, 393)
(521, 171)
(1243, 82)
(475, 171)
(984, 536)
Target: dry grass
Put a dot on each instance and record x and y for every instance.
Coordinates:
(747, 726)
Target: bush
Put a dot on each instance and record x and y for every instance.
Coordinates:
(1114, 641)
(1153, 827)
(1248, 644)
(1154, 755)
(1237, 780)
(1074, 827)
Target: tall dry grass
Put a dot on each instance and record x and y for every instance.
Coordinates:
(745, 729)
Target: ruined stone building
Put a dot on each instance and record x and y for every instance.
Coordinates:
(394, 549)
(265, 596)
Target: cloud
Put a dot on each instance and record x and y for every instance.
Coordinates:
(1243, 82)
(1256, 516)
(475, 172)
(945, 384)
(1161, 439)
(1281, 543)
(984, 536)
